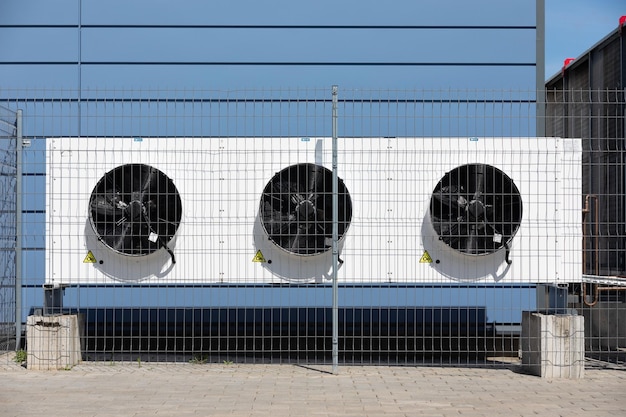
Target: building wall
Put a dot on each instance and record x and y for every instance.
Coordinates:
(147, 45)
(587, 101)
(83, 68)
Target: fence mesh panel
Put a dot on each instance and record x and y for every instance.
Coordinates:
(8, 227)
(227, 302)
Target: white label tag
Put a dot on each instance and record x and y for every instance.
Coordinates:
(153, 237)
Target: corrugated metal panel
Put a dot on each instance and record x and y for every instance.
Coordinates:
(593, 107)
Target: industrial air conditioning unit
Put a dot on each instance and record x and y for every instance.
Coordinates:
(259, 210)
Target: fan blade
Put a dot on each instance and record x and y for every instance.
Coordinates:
(305, 243)
(148, 185)
(479, 177)
(282, 192)
(168, 222)
(453, 201)
(120, 240)
(273, 197)
(314, 178)
(470, 241)
(298, 239)
(283, 234)
(322, 224)
(114, 185)
(106, 205)
(276, 227)
(450, 232)
(492, 227)
(134, 239)
(480, 241)
(274, 221)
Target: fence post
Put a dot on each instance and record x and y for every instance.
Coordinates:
(335, 202)
(540, 72)
(18, 230)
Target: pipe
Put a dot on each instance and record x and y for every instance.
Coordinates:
(596, 293)
(587, 210)
(596, 287)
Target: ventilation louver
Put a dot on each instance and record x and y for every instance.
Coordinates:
(296, 209)
(135, 209)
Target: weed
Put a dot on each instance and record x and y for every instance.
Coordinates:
(20, 356)
(199, 359)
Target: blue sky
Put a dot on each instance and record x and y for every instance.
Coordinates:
(574, 26)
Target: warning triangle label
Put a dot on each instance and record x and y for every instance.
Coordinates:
(426, 259)
(258, 257)
(89, 259)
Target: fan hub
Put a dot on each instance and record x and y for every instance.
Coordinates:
(305, 210)
(476, 210)
(134, 210)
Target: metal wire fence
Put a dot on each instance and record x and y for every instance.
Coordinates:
(195, 225)
(8, 226)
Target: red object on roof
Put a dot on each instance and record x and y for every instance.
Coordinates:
(568, 61)
(622, 20)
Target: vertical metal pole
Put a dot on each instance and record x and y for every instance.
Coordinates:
(335, 202)
(18, 231)
(622, 162)
(80, 70)
(540, 70)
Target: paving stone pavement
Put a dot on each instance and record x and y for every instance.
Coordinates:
(184, 389)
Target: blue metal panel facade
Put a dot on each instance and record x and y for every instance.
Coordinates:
(81, 68)
(240, 44)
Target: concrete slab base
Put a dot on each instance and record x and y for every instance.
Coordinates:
(54, 342)
(553, 345)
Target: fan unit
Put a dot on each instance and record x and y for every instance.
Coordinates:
(135, 209)
(476, 209)
(259, 210)
(296, 209)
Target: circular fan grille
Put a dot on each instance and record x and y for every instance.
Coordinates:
(296, 209)
(476, 209)
(135, 209)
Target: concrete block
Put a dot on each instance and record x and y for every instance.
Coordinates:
(553, 345)
(54, 342)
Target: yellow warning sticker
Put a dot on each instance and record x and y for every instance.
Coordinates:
(258, 257)
(89, 259)
(426, 259)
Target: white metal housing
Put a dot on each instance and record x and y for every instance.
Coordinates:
(390, 238)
